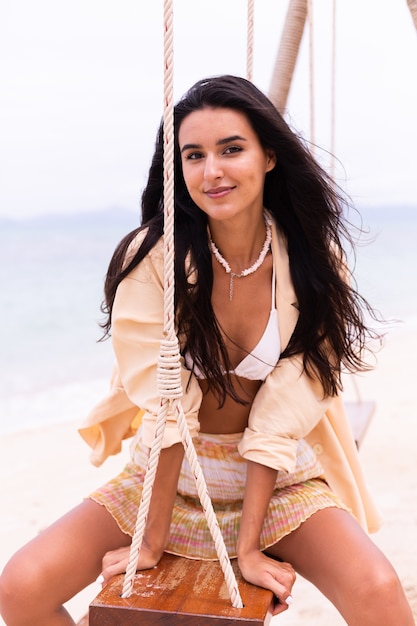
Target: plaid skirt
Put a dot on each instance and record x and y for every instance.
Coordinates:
(296, 496)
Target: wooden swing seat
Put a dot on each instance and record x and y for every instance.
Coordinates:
(180, 592)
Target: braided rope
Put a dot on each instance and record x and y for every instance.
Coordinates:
(250, 36)
(311, 68)
(206, 503)
(169, 354)
(145, 502)
(169, 368)
(333, 97)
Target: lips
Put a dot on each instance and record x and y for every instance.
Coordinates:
(218, 192)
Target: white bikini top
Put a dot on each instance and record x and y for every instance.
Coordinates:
(261, 361)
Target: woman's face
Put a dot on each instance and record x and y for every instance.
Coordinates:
(223, 163)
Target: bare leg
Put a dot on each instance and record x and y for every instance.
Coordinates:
(57, 564)
(337, 556)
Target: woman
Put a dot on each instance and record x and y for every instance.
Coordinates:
(266, 322)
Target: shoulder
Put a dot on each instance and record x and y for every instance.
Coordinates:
(152, 263)
(155, 253)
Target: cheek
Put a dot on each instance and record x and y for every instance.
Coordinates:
(191, 179)
(254, 177)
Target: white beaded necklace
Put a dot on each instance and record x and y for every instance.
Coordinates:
(252, 268)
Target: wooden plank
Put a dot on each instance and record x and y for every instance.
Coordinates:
(180, 592)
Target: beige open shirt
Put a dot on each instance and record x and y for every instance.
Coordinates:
(288, 406)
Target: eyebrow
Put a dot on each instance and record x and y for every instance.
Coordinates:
(220, 142)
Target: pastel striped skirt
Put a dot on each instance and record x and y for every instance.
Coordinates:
(296, 496)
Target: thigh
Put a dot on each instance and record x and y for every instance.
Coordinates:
(65, 557)
(333, 552)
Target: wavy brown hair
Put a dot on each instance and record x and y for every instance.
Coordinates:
(308, 207)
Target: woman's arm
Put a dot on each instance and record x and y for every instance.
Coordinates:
(286, 408)
(158, 523)
(163, 496)
(255, 566)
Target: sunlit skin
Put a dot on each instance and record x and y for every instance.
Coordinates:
(224, 168)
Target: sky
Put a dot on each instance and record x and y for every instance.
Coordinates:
(81, 93)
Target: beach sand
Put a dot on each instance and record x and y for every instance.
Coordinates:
(45, 471)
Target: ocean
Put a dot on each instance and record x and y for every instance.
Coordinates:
(53, 368)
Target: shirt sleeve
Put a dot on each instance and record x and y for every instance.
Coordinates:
(286, 408)
(137, 332)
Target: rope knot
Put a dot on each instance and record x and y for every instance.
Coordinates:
(169, 370)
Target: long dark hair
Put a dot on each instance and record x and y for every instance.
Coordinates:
(331, 333)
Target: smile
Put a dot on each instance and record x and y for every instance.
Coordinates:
(218, 192)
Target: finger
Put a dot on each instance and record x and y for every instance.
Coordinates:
(100, 580)
(115, 556)
(281, 591)
(113, 570)
(110, 571)
(279, 606)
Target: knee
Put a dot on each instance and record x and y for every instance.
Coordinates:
(9, 592)
(19, 588)
(375, 597)
(379, 586)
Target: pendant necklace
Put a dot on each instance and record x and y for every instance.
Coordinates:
(252, 268)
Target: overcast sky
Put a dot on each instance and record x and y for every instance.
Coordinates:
(81, 93)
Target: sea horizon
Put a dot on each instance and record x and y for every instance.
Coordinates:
(52, 268)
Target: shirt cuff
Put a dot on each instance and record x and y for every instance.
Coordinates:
(171, 434)
(274, 451)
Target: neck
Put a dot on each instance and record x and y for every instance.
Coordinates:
(239, 244)
(251, 269)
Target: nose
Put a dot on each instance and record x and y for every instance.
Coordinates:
(212, 168)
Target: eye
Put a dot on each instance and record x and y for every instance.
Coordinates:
(193, 156)
(233, 149)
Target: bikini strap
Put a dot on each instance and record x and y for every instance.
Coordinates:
(273, 304)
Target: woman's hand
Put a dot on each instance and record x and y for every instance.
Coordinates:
(278, 577)
(158, 521)
(116, 561)
(256, 567)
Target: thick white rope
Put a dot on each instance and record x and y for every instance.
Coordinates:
(173, 354)
(250, 37)
(311, 68)
(207, 506)
(333, 101)
(169, 368)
